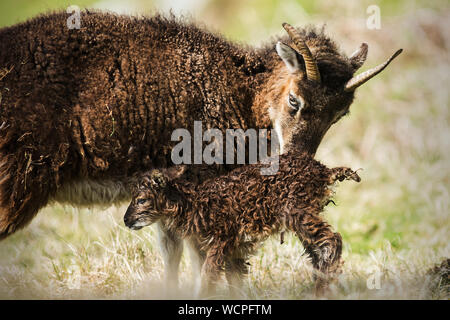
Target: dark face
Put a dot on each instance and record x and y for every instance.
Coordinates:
(149, 202)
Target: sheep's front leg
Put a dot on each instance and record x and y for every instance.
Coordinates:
(235, 271)
(171, 250)
(211, 270)
(197, 258)
(323, 246)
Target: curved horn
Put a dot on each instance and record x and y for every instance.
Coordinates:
(358, 80)
(312, 71)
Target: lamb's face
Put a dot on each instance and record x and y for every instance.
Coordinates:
(142, 212)
(149, 202)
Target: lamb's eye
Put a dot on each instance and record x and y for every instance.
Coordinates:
(140, 201)
(293, 102)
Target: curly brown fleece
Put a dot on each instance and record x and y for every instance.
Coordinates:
(230, 215)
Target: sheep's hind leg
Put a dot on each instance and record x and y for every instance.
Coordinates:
(323, 246)
(25, 186)
(171, 249)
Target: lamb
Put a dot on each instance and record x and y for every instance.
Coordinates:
(227, 217)
(83, 110)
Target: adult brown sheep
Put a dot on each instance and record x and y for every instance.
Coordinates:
(82, 110)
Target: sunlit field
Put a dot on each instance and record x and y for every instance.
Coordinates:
(395, 224)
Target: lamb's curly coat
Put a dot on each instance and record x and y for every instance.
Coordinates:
(230, 215)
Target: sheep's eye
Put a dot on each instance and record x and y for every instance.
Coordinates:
(293, 102)
(140, 201)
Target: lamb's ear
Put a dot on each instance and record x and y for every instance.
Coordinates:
(289, 56)
(145, 182)
(174, 172)
(158, 180)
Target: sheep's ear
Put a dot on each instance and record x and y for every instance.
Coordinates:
(358, 57)
(158, 179)
(174, 172)
(145, 183)
(289, 56)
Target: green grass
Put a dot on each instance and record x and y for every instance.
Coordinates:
(395, 222)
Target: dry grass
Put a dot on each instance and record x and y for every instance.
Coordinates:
(395, 223)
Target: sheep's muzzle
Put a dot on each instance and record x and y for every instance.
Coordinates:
(135, 220)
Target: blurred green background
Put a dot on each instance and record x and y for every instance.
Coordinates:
(396, 222)
(238, 19)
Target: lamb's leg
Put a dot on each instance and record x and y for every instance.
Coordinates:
(323, 246)
(235, 270)
(211, 270)
(171, 250)
(197, 258)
